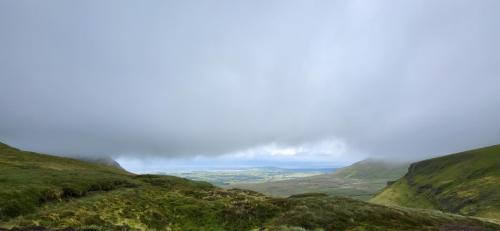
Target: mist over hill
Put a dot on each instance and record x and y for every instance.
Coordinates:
(113, 98)
(308, 82)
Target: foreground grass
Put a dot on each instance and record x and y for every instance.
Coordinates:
(43, 192)
(167, 203)
(214, 209)
(334, 213)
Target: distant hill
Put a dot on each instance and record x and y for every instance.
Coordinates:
(466, 183)
(372, 169)
(360, 180)
(102, 160)
(42, 192)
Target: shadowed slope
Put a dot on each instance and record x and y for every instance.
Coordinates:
(466, 183)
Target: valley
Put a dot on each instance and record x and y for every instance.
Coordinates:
(44, 192)
(228, 177)
(361, 180)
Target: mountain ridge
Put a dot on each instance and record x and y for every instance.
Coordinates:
(466, 183)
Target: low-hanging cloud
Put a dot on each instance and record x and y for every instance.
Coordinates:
(399, 79)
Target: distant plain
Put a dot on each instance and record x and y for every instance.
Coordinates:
(229, 177)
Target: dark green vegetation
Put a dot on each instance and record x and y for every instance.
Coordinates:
(29, 179)
(50, 192)
(466, 183)
(360, 180)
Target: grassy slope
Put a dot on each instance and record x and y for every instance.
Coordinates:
(466, 183)
(30, 179)
(372, 169)
(360, 180)
(54, 192)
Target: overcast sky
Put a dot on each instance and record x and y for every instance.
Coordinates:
(315, 82)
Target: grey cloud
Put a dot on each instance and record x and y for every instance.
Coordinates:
(393, 78)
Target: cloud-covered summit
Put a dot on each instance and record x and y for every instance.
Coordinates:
(179, 79)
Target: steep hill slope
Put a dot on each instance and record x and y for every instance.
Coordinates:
(29, 179)
(42, 192)
(466, 183)
(360, 180)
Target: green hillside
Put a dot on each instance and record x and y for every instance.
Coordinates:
(372, 169)
(42, 192)
(360, 180)
(30, 179)
(466, 183)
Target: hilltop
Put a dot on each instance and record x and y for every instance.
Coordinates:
(102, 160)
(466, 183)
(360, 180)
(43, 192)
